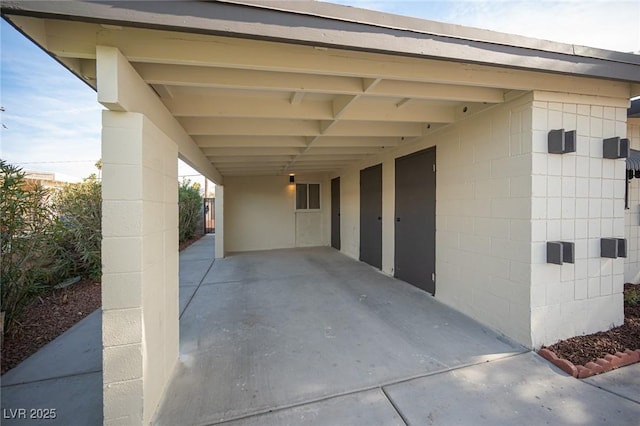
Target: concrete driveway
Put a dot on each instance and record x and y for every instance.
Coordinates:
(309, 336)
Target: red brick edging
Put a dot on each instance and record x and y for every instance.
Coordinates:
(602, 365)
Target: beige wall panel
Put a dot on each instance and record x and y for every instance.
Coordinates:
(259, 213)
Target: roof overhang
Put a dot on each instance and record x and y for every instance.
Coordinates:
(271, 87)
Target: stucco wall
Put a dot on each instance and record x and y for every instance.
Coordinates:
(259, 214)
(632, 215)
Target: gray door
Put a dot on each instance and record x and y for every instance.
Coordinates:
(371, 216)
(335, 213)
(415, 225)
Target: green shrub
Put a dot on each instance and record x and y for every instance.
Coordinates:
(189, 209)
(78, 230)
(26, 255)
(632, 296)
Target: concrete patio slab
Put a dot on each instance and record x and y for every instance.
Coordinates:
(203, 249)
(524, 389)
(623, 381)
(267, 339)
(186, 293)
(371, 408)
(196, 260)
(75, 400)
(76, 351)
(66, 374)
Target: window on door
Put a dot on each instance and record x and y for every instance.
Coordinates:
(307, 196)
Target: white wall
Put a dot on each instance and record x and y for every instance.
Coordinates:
(632, 215)
(578, 197)
(259, 214)
(500, 198)
(140, 265)
(483, 218)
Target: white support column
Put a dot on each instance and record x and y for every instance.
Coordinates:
(219, 220)
(140, 144)
(140, 266)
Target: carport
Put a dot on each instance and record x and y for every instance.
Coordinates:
(274, 101)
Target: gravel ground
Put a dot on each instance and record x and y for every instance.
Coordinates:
(582, 349)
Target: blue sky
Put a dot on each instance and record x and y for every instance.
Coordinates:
(52, 119)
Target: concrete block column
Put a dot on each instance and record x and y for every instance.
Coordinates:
(140, 266)
(577, 197)
(219, 218)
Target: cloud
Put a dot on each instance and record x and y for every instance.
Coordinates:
(605, 24)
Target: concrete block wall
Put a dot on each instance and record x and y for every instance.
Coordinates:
(577, 197)
(259, 213)
(632, 215)
(483, 238)
(140, 266)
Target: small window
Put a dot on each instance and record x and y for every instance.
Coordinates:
(308, 196)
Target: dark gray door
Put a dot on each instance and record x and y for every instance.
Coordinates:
(415, 226)
(371, 216)
(335, 213)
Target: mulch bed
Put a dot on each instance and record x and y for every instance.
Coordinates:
(591, 349)
(52, 314)
(46, 318)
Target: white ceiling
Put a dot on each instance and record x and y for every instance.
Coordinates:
(263, 108)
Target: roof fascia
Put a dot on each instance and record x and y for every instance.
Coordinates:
(328, 25)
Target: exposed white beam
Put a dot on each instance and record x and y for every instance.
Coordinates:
(241, 106)
(221, 152)
(448, 92)
(163, 91)
(369, 83)
(281, 127)
(120, 88)
(341, 103)
(374, 128)
(197, 76)
(296, 98)
(249, 141)
(75, 39)
(244, 127)
(371, 141)
(202, 76)
(365, 150)
(380, 109)
(251, 158)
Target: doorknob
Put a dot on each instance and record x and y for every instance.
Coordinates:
(379, 218)
(397, 219)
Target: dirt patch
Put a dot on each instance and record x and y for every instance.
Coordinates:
(46, 318)
(581, 350)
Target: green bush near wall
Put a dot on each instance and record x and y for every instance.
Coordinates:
(189, 209)
(27, 259)
(77, 230)
(47, 236)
